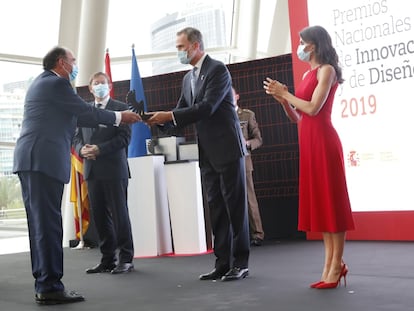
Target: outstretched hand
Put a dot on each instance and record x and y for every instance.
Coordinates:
(129, 117)
(160, 117)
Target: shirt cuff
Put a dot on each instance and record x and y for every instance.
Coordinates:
(117, 118)
(173, 118)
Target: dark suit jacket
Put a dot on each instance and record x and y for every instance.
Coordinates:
(112, 141)
(220, 139)
(51, 113)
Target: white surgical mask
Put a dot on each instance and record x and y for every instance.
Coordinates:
(101, 90)
(302, 55)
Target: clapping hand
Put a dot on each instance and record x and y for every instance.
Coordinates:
(275, 88)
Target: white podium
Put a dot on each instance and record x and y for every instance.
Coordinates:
(186, 207)
(148, 206)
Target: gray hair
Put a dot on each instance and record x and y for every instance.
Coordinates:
(193, 35)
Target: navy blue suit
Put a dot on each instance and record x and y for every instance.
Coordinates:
(107, 179)
(221, 155)
(42, 161)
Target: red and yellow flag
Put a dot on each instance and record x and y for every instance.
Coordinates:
(79, 195)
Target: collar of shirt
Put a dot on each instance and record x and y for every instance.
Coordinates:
(199, 64)
(55, 73)
(103, 103)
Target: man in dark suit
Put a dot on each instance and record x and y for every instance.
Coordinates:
(253, 138)
(42, 162)
(207, 100)
(106, 172)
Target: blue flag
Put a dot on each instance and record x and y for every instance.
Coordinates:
(140, 131)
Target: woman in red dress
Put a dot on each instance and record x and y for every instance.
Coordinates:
(323, 196)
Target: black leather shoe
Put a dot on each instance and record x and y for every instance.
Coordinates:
(213, 275)
(100, 268)
(256, 242)
(235, 273)
(55, 298)
(123, 268)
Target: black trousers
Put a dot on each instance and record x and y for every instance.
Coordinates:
(227, 201)
(108, 201)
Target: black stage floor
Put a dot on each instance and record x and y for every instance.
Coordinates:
(381, 277)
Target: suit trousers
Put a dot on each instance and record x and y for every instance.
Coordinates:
(227, 201)
(42, 197)
(108, 201)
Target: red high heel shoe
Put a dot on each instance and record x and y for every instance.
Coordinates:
(344, 272)
(324, 285)
(314, 285)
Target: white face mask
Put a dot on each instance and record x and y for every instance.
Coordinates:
(302, 55)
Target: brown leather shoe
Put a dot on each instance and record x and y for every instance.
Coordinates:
(54, 298)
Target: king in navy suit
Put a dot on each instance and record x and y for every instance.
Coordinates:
(42, 162)
(207, 100)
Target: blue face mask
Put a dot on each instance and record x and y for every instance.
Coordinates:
(74, 73)
(183, 57)
(302, 55)
(101, 90)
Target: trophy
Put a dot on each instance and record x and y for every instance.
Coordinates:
(137, 107)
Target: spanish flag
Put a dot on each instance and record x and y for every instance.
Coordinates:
(79, 195)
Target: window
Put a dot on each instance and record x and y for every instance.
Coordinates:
(153, 31)
(29, 27)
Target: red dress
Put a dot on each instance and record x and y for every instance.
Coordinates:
(323, 196)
